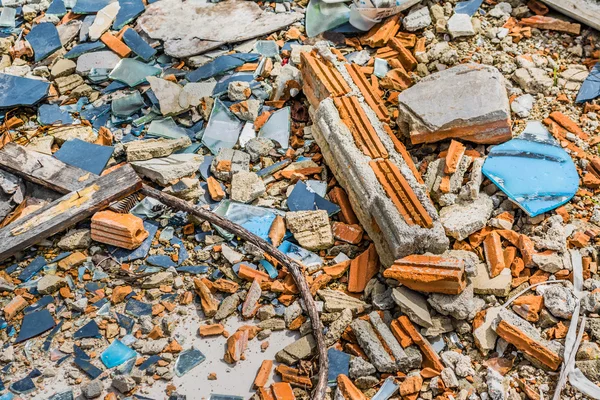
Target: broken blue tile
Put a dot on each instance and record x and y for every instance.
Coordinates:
(91, 370)
(90, 6)
(125, 256)
(114, 86)
(149, 362)
(89, 330)
(193, 269)
(11, 268)
(50, 337)
(19, 91)
(257, 220)
(183, 254)
(339, 364)
(533, 170)
(64, 395)
(79, 353)
(161, 260)
(127, 105)
(138, 45)
(129, 10)
(93, 286)
(38, 305)
(271, 169)
(87, 156)
(125, 322)
(138, 309)
(469, 7)
(83, 48)
(220, 65)
(303, 199)
(44, 40)
(590, 89)
(305, 257)
(100, 303)
(205, 167)
(2, 387)
(116, 354)
(23, 386)
(33, 268)
(133, 72)
(35, 324)
(223, 128)
(271, 270)
(61, 256)
(57, 7)
(225, 397)
(222, 85)
(187, 360)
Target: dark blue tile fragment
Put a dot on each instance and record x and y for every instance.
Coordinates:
(49, 114)
(125, 322)
(221, 65)
(19, 91)
(149, 361)
(129, 10)
(91, 370)
(590, 89)
(161, 260)
(90, 6)
(35, 324)
(138, 309)
(38, 305)
(89, 330)
(302, 199)
(83, 48)
(53, 332)
(87, 156)
(138, 45)
(44, 40)
(33, 268)
(79, 353)
(57, 7)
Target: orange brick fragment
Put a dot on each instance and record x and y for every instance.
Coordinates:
(339, 197)
(455, 153)
(121, 230)
(17, 304)
(362, 269)
(528, 307)
(211, 330)
(411, 385)
(215, 190)
(225, 285)
(348, 233)
(379, 34)
(72, 261)
(321, 79)
(207, 301)
(553, 24)
(265, 393)
(406, 58)
(337, 270)
(349, 391)
(283, 391)
(430, 356)
(579, 239)
(118, 47)
(263, 373)
(537, 7)
(401, 336)
(249, 274)
(568, 124)
(277, 231)
(494, 255)
(401, 193)
(431, 274)
(371, 97)
(236, 345)
(119, 293)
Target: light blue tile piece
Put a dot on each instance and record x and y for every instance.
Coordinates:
(116, 354)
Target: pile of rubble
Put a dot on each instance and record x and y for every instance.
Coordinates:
(184, 185)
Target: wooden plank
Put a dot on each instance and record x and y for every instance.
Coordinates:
(67, 211)
(44, 169)
(586, 11)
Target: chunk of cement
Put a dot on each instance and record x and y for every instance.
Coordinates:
(167, 93)
(560, 301)
(167, 169)
(485, 337)
(360, 367)
(310, 228)
(140, 150)
(338, 301)
(414, 305)
(462, 306)
(246, 187)
(371, 345)
(390, 340)
(188, 28)
(468, 101)
(498, 286)
(296, 351)
(460, 25)
(464, 218)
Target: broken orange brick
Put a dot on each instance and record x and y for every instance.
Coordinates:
(293, 376)
(579, 239)
(362, 269)
(401, 336)
(117, 46)
(17, 304)
(528, 307)
(430, 356)
(249, 274)
(119, 293)
(282, 391)
(211, 330)
(215, 190)
(349, 391)
(265, 393)
(430, 274)
(494, 255)
(554, 24)
(339, 197)
(537, 7)
(207, 301)
(381, 33)
(121, 230)
(455, 153)
(236, 345)
(354, 117)
(371, 98)
(568, 124)
(321, 79)
(405, 57)
(337, 270)
(401, 193)
(277, 231)
(263, 373)
(225, 286)
(348, 233)
(410, 385)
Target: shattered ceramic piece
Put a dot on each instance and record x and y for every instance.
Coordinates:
(187, 360)
(590, 89)
(116, 354)
(87, 156)
(132, 72)
(18, 91)
(44, 40)
(223, 129)
(533, 170)
(277, 128)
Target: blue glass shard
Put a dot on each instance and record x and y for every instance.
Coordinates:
(89, 330)
(205, 167)
(161, 260)
(533, 170)
(222, 85)
(271, 169)
(124, 255)
(44, 40)
(126, 367)
(133, 72)
(127, 105)
(193, 269)
(223, 128)
(302, 199)
(23, 386)
(79, 353)
(277, 127)
(33, 268)
(469, 7)
(87, 156)
(321, 16)
(149, 361)
(220, 65)
(64, 395)
(125, 322)
(90, 6)
(57, 7)
(49, 114)
(187, 360)
(138, 45)
(129, 10)
(257, 220)
(306, 257)
(590, 89)
(7, 18)
(114, 86)
(267, 48)
(38, 305)
(91, 370)
(35, 324)
(18, 91)
(83, 48)
(339, 364)
(269, 268)
(116, 354)
(138, 309)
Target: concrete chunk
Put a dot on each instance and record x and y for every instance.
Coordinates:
(371, 345)
(310, 228)
(338, 301)
(466, 217)
(413, 305)
(141, 150)
(167, 169)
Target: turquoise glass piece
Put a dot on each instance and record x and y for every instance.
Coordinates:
(18, 91)
(267, 48)
(380, 68)
(187, 360)
(49, 114)
(322, 16)
(139, 46)
(129, 10)
(257, 220)
(277, 128)
(133, 72)
(166, 128)
(116, 354)
(469, 7)
(590, 88)
(387, 390)
(339, 364)
(127, 105)
(7, 17)
(57, 7)
(305, 257)
(90, 6)
(533, 170)
(83, 48)
(223, 128)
